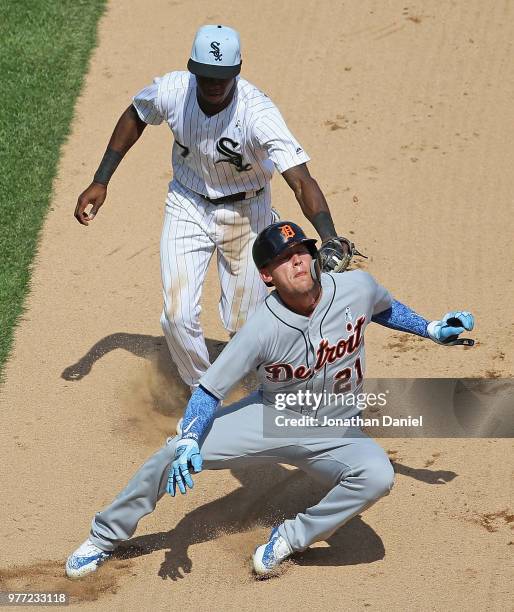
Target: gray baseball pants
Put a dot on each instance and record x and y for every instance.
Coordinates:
(355, 469)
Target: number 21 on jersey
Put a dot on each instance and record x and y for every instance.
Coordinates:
(343, 378)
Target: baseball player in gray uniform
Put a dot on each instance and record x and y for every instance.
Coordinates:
(308, 336)
(228, 139)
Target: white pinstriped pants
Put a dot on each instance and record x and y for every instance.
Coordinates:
(193, 229)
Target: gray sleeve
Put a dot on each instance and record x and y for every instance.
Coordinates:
(383, 299)
(147, 104)
(378, 298)
(241, 355)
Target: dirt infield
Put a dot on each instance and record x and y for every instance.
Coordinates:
(405, 110)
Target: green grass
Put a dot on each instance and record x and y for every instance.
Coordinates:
(44, 52)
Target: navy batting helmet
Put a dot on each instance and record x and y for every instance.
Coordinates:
(276, 238)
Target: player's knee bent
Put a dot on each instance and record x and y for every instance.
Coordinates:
(379, 480)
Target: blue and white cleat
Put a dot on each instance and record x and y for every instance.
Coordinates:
(85, 560)
(269, 556)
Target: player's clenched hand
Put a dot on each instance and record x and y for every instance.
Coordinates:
(448, 329)
(187, 454)
(95, 195)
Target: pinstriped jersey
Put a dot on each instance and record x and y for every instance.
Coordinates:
(230, 152)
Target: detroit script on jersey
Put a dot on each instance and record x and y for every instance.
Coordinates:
(323, 353)
(326, 354)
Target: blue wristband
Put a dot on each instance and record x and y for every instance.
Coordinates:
(199, 414)
(402, 318)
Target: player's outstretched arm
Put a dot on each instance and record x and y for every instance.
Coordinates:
(446, 331)
(127, 131)
(240, 356)
(198, 417)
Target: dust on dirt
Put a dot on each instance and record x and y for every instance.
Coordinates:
(48, 576)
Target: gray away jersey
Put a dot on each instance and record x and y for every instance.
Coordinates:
(292, 353)
(230, 152)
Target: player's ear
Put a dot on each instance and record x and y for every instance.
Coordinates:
(266, 277)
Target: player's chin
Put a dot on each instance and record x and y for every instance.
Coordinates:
(214, 98)
(303, 282)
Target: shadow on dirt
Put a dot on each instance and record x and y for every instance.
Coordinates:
(149, 347)
(268, 495)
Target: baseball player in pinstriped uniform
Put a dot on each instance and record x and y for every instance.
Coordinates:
(308, 336)
(228, 138)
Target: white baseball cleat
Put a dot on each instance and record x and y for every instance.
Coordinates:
(85, 560)
(269, 556)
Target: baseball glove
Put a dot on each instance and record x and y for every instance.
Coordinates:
(336, 253)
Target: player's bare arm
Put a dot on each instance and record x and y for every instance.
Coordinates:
(127, 131)
(311, 199)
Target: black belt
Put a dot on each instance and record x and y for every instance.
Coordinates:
(234, 197)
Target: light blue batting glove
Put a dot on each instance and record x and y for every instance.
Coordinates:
(447, 330)
(187, 454)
